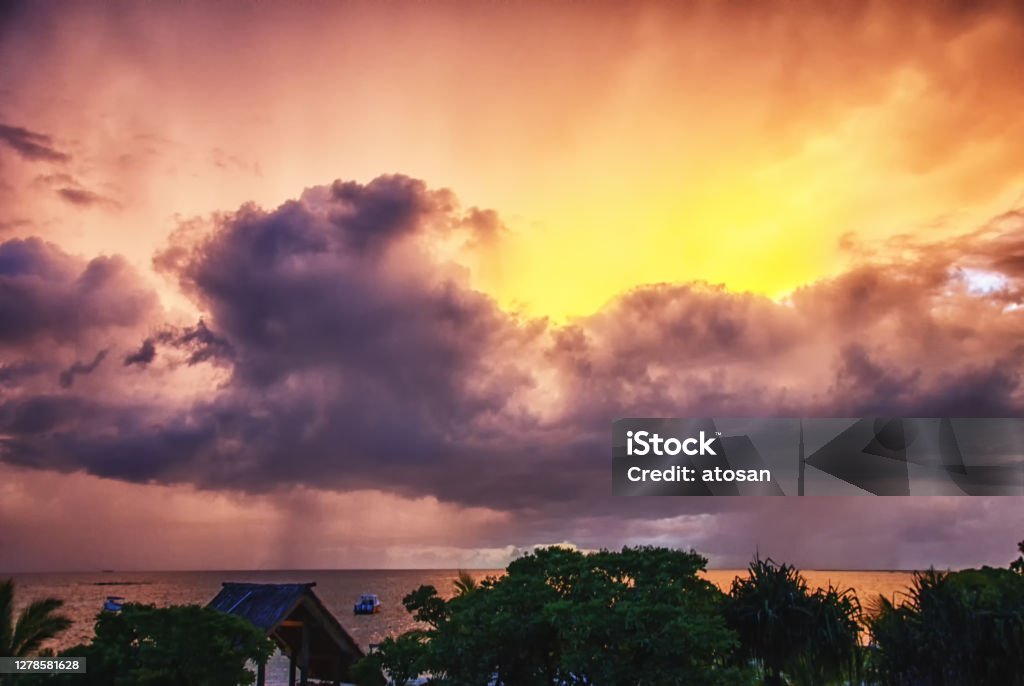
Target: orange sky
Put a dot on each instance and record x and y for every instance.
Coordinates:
(729, 143)
(766, 147)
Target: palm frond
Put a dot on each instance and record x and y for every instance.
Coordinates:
(464, 583)
(36, 624)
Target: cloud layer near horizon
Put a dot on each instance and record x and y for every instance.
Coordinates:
(340, 348)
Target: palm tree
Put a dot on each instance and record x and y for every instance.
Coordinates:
(792, 632)
(35, 625)
(465, 583)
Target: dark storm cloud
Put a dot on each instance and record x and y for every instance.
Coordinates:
(373, 215)
(79, 368)
(143, 356)
(355, 359)
(347, 346)
(864, 387)
(202, 344)
(309, 286)
(66, 432)
(13, 373)
(30, 144)
(198, 343)
(31, 420)
(47, 295)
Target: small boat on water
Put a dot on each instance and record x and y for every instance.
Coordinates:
(368, 604)
(113, 603)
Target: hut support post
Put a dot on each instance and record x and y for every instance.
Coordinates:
(291, 670)
(341, 670)
(304, 659)
(261, 674)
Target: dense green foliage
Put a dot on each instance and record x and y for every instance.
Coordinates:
(643, 616)
(183, 645)
(794, 634)
(639, 616)
(953, 629)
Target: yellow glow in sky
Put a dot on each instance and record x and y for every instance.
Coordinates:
(619, 148)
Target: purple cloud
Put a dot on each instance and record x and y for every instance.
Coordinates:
(351, 358)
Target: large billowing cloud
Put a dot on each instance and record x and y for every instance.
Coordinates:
(344, 349)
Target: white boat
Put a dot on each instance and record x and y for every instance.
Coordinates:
(368, 604)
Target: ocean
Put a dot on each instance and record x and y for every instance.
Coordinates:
(84, 593)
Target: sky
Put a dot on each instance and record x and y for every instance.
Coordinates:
(349, 284)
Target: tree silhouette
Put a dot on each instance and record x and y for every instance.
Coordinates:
(35, 625)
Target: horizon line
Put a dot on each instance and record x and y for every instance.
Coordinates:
(421, 569)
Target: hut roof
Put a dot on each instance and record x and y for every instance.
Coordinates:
(284, 611)
(264, 605)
